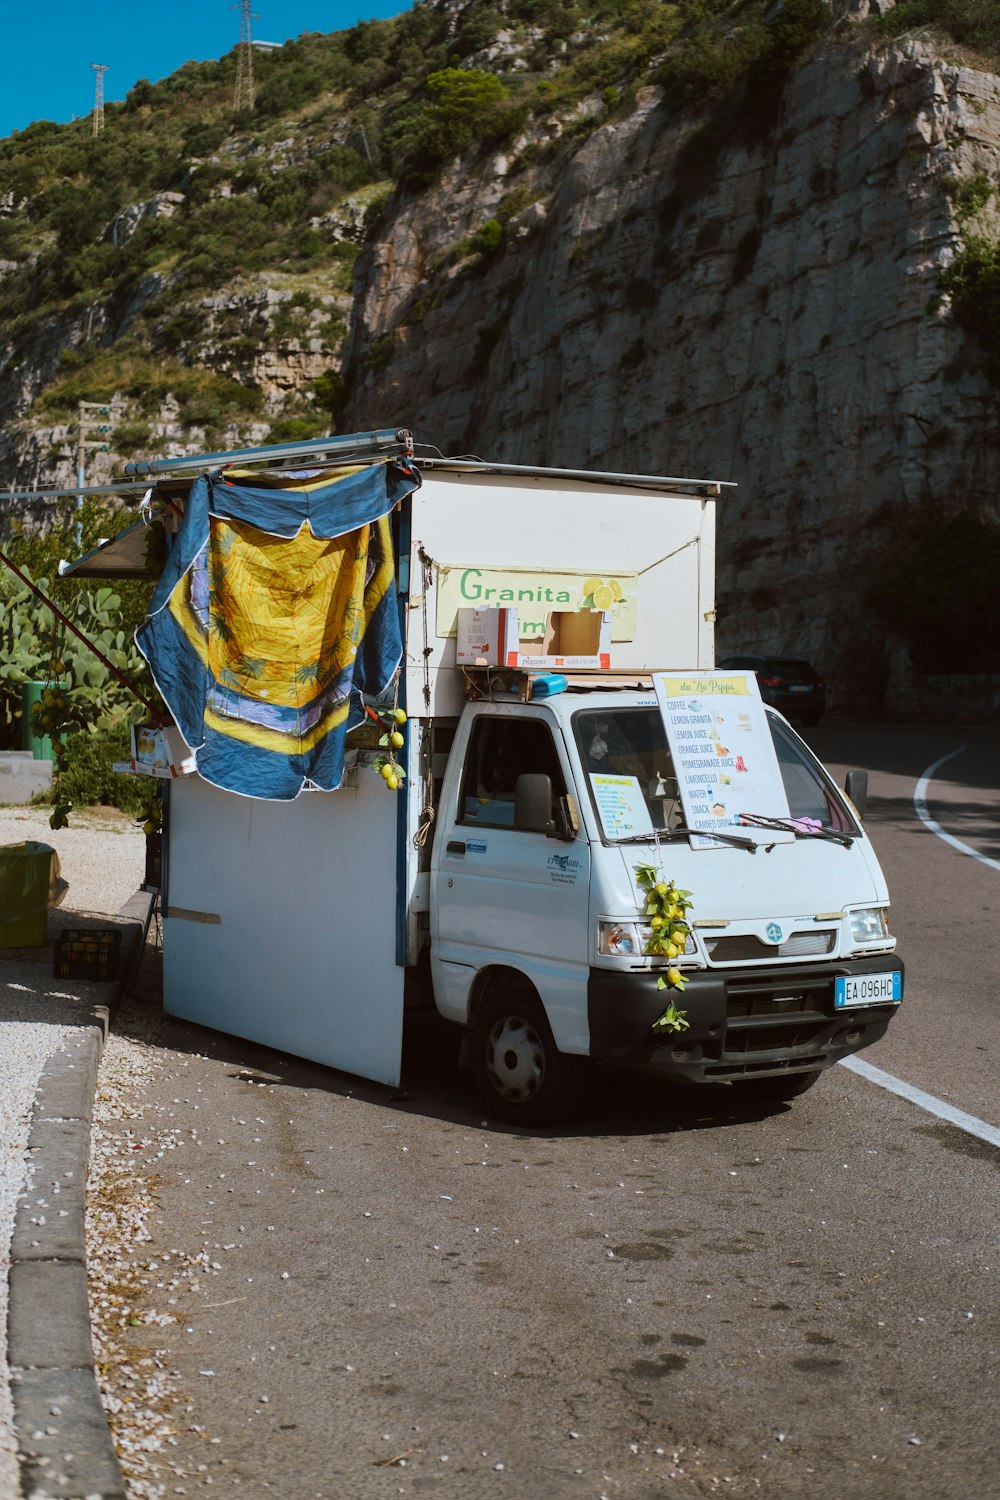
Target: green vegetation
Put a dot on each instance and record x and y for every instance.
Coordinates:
(86, 710)
(133, 230)
(973, 282)
(972, 279)
(936, 585)
(204, 397)
(970, 23)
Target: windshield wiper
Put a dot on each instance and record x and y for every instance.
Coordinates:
(790, 825)
(682, 831)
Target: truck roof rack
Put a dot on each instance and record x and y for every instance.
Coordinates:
(359, 445)
(384, 440)
(709, 487)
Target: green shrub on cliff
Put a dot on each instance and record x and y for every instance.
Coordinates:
(971, 23)
(972, 280)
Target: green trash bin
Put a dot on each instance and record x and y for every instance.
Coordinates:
(28, 878)
(39, 744)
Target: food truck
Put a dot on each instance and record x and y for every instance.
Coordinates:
(448, 732)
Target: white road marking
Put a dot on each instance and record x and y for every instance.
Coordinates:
(920, 804)
(934, 1106)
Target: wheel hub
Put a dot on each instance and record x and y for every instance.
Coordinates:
(515, 1059)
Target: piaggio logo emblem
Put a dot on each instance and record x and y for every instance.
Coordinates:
(773, 932)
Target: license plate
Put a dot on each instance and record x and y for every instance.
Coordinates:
(800, 687)
(868, 989)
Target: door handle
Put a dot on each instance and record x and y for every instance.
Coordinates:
(454, 846)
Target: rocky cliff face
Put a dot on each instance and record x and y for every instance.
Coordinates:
(761, 304)
(778, 323)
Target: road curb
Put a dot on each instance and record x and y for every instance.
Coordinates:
(63, 1441)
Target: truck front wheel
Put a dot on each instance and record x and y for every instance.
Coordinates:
(518, 1070)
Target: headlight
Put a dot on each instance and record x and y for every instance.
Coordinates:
(629, 939)
(870, 924)
(619, 940)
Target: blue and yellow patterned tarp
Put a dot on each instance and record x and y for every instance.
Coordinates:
(275, 616)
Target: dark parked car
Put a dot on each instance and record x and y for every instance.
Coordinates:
(792, 687)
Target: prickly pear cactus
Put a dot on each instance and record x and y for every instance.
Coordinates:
(34, 647)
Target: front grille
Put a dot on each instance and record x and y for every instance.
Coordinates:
(749, 1007)
(771, 1015)
(745, 948)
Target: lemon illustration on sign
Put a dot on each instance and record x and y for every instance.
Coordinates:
(602, 593)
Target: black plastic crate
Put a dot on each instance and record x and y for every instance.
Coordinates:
(88, 953)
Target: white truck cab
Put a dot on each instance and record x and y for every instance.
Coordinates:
(537, 932)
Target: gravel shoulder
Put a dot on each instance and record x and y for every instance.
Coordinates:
(102, 857)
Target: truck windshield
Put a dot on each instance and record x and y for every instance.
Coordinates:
(630, 775)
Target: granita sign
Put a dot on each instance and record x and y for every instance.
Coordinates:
(535, 595)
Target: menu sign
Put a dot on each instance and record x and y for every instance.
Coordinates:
(622, 806)
(723, 754)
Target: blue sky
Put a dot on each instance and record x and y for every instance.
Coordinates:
(49, 45)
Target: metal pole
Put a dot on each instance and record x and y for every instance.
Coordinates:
(81, 477)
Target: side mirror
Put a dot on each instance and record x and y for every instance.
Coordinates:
(533, 803)
(856, 787)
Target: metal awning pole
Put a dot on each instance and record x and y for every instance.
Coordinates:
(359, 445)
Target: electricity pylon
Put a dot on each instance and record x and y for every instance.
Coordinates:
(100, 69)
(244, 99)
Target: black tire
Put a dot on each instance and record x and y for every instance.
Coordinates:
(519, 1072)
(780, 1089)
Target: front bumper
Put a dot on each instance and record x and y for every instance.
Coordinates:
(744, 1023)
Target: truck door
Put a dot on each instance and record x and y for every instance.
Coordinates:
(502, 896)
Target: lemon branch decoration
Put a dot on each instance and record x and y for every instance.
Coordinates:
(666, 910)
(387, 765)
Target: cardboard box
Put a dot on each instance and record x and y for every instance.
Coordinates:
(486, 637)
(159, 750)
(575, 639)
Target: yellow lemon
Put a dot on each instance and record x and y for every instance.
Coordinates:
(616, 589)
(591, 586)
(603, 597)
(674, 976)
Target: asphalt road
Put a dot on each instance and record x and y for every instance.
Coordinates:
(944, 903)
(671, 1296)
